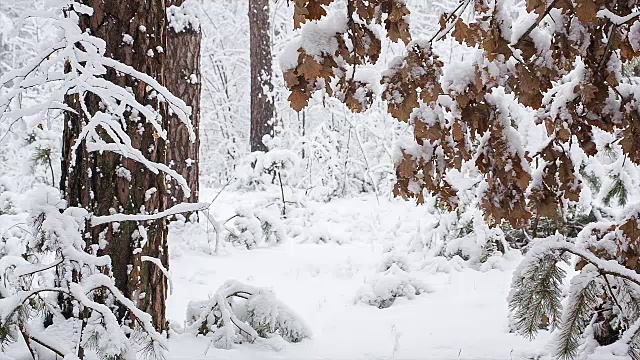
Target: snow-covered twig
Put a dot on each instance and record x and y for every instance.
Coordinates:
(176, 209)
(606, 267)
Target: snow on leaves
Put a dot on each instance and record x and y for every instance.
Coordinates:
(304, 10)
(409, 79)
(371, 11)
(554, 181)
(330, 48)
(561, 58)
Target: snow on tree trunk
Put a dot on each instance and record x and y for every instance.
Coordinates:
(261, 85)
(135, 33)
(183, 80)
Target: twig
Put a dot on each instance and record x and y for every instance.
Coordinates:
(352, 36)
(220, 192)
(615, 300)
(40, 269)
(216, 228)
(46, 346)
(284, 209)
(610, 37)
(535, 24)
(230, 218)
(592, 259)
(53, 177)
(25, 336)
(443, 32)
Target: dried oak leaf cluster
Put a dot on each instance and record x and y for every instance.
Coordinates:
(335, 45)
(565, 63)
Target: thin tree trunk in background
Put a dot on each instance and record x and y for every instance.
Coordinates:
(183, 58)
(261, 85)
(135, 33)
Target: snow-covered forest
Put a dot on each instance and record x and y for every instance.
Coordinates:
(320, 179)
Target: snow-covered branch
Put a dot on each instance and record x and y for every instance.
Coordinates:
(176, 209)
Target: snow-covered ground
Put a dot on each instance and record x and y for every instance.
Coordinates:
(462, 316)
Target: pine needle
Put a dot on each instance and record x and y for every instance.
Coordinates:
(584, 295)
(536, 294)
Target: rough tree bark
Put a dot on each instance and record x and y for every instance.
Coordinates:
(135, 33)
(183, 58)
(261, 85)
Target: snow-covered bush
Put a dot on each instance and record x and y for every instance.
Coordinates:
(383, 289)
(319, 233)
(253, 228)
(394, 259)
(465, 234)
(445, 265)
(260, 169)
(461, 235)
(239, 313)
(193, 234)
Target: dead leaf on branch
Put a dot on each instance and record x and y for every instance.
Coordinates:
(299, 99)
(304, 10)
(586, 10)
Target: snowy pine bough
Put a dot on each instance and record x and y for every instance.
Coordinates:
(30, 294)
(241, 313)
(602, 306)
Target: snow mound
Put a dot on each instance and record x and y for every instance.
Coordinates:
(393, 283)
(320, 233)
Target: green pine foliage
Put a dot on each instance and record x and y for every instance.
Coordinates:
(602, 303)
(584, 295)
(617, 191)
(536, 294)
(6, 335)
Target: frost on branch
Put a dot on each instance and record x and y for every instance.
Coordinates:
(108, 106)
(105, 130)
(238, 313)
(382, 290)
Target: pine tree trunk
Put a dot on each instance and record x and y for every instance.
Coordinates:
(183, 58)
(261, 85)
(105, 182)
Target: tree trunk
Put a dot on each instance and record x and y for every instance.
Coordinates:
(135, 33)
(183, 58)
(261, 85)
